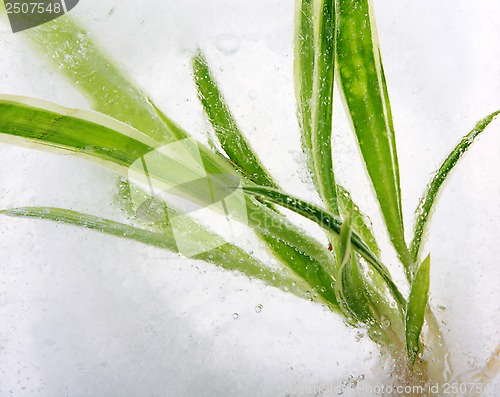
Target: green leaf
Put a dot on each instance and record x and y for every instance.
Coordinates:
(275, 229)
(417, 304)
(362, 84)
(229, 135)
(226, 255)
(361, 224)
(350, 288)
(88, 134)
(304, 65)
(308, 269)
(314, 75)
(426, 204)
(291, 246)
(388, 328)
(329, 222)
(116, 146)
(71, 50)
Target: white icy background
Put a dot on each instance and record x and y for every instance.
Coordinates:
(85, 314)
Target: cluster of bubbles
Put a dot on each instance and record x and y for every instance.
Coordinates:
(351, 382)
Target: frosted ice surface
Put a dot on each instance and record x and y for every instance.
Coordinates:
(83, 314)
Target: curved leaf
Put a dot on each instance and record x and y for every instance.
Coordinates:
(226, 255)
(427, 201)
(70, 48)
(361, 224)
(229, 135)
(350, 288)
(117, 150)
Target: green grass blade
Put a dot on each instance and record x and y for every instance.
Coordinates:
(88, 134)
(425, 206)
(304, 65)
(361, 223)
(118, 147)
(226, 255)
(352, 293)
(329, 222)
(314, 75)
(71, 50)
(417, 304)
(276, 231)
(321, 134)
(349, 288)
(320, 281)
(364, 91)
(226, 129)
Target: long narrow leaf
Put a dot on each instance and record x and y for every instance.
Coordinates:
(350, 287)
(417, 304)
(327, 221)
(361, 224)
(226, 129)
(304, 64)
(292, 247)
(117, 150)
(365, 94)
(70, 48)
(314, 74)
(88, 134)
(279, 234)
(226, 255)
(425, 206)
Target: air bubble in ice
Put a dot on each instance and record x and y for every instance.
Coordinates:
(227, 43)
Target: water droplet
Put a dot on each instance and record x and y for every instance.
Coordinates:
(384, 322)
(259, 308)
(340, 392)
(359, 336)
(227, 43)
(235, 316)
(354, 384)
